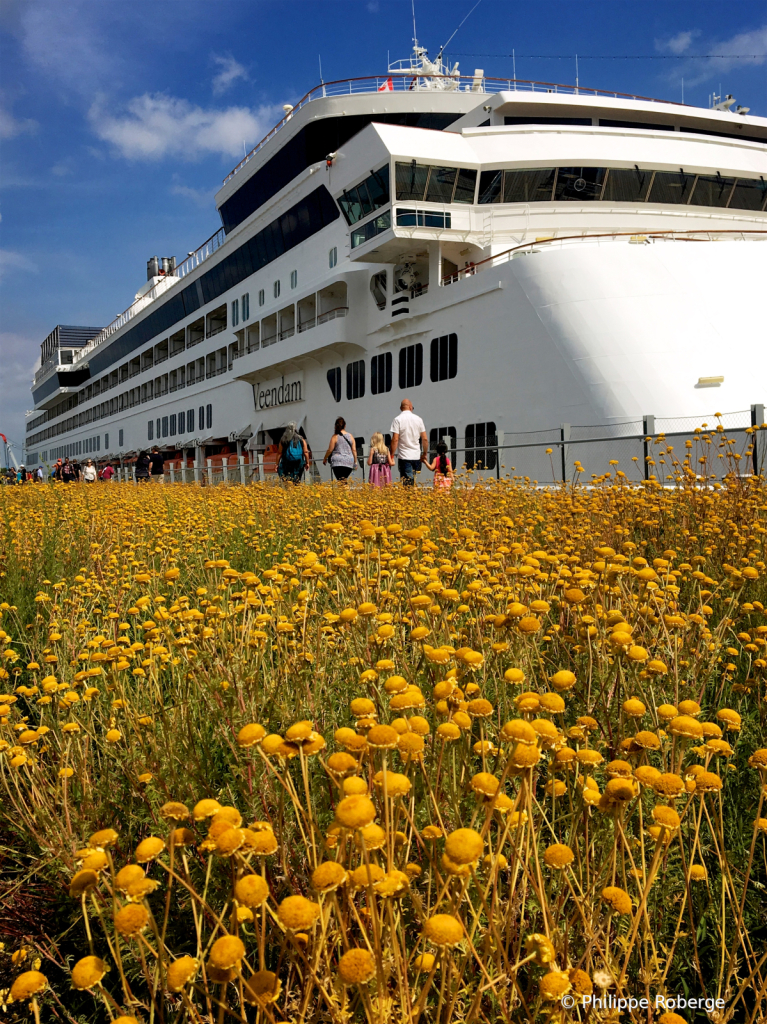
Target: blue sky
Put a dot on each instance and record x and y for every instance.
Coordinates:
(119, 119)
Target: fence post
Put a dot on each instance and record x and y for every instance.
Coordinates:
(209, 471)
(648, 425)
(261, 467)
(241, 460)
(197, 460)
(225, 469)
(757, 418)
(564, 435)
(172, 473)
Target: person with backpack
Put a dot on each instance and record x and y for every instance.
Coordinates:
(292, 455)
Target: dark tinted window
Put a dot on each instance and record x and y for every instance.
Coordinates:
(172, 426)
(624, 186)
(190, 419)
(465, 184)
(441, 184)
(748, 194)
(411, 366)
(635, 124)
(411, 180)
(369, 195)
(208, 417)
(201, 418)
(446, 434)
(380, 373)
(165, 426)
(150, 430)
(182, 423)
(334, 382)
(490, 186)
(478, 436)
(355, 379)
(579, 183)
(712, 191)
(444, 357)
(309, 146)
(547, 120)
(671, 187)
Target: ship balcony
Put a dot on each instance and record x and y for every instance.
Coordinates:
(312, 324)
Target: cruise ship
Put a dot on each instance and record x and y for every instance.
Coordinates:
(510, 255)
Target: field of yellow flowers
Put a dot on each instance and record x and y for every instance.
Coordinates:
(333, 755)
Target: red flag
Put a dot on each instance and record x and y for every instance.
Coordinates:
(388, 86)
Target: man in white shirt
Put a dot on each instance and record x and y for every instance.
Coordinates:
(408, 442)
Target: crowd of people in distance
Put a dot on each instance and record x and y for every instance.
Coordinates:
(65, 470)
(409, 451)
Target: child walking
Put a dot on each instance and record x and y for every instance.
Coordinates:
(380, 461)
(442, 469)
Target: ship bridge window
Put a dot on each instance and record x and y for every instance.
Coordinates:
(435, 184)
(671, 187)
(627, 186)
(371, 228)
(617, 185)
(579, 183)
(548, 120)
(749, 194)
(370, 195)
(712, 191)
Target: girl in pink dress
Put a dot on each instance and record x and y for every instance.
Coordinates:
(380, 461)
(442, 469)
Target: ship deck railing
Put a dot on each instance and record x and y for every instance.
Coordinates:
(410, 81)
(631, 237)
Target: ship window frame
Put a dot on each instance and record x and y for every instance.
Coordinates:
(246, 307)
(410, 366)
(235, 312)
(381, 373)
(209, 417)
(261, 296)
(488, 446)
(333, 257)
(355, 380)
(276, 288)
(438, 434)
(334, 382)
(294, 279)
(444, 357)
(420, 183)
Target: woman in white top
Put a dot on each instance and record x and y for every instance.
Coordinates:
(89, 473)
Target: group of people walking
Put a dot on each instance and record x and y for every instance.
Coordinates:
(409, 451)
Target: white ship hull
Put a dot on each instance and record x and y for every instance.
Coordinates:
(595, 313)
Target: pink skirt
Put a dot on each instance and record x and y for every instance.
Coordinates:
(380, 475)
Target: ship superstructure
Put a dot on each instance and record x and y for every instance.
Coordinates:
(508, 254)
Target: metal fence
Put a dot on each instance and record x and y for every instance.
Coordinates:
(642, 449)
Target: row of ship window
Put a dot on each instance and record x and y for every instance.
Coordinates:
(447, 185)
(443, 366)
(244, 303)
(72, 450)
(179, 423)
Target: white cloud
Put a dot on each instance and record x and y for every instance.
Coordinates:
(743, 50)
(10, 260)
(11, 126)
(65, 42)
(155, 126)
(20, 358)
(677, 44)
(373, 6)
(230, 71)
(60, 170)
(199, 196)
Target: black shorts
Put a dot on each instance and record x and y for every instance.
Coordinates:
(341, 472)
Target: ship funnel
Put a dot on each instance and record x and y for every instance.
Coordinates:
(169, 265)
(152, 268)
